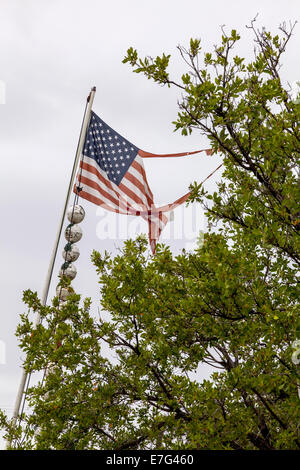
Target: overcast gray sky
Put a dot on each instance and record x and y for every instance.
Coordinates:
(51, 53)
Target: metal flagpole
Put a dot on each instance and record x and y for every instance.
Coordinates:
(84, 126)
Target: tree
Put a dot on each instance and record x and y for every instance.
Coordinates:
(232, 304)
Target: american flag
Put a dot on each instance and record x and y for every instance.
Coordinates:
(112, 175)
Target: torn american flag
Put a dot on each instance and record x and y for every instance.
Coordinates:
(112, 176)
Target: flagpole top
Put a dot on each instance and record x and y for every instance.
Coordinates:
(93, 90)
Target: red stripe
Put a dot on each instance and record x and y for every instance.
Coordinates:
(139, 185)
(141, 170)
(133, 196)
(94, 185)
(92, 169)
(95, 200)
(144, 154)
